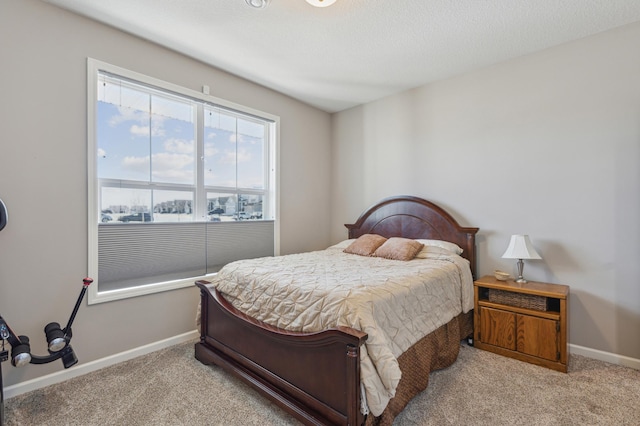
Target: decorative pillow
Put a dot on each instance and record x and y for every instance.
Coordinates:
(342, 244)
(427, 252)
(442, 244)
(399, 249)
(365, 245)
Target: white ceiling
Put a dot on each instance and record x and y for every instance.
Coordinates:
(356, 51)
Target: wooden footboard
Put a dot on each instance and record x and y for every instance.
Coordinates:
(313, 376)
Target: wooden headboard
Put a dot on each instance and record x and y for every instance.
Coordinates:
(413, 217)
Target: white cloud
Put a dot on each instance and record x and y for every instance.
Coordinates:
(139, 130)
(171, 167)
(228, 157)
(210, 150)
(171, 161)
(141, 117)
(128, 114)
(138, 164)
(180, 146)
(167, 167)
(156, 130)
(243, 155)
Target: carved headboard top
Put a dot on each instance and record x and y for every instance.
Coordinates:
(416, 218)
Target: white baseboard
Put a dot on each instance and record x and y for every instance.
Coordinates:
(81, 369)
(605, 356)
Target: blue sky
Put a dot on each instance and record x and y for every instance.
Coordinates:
(160, 147)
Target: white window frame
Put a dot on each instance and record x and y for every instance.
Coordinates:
(94, 66)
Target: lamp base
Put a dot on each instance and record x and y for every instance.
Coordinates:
(520, 279)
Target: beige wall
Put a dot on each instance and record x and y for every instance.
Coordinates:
(548, 145)
(43, 53)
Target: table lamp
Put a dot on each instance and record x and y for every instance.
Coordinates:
(520, 247)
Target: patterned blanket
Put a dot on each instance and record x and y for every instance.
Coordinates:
(395, 302)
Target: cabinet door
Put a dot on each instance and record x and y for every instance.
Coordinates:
(538, 337)
(498, 328)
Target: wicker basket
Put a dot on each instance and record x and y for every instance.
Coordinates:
(520, 300)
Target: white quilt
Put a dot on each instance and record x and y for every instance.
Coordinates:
(396, 303)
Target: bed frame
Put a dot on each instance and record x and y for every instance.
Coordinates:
(315, 376)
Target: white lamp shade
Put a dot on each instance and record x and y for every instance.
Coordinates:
(321, 3)
(520, 247)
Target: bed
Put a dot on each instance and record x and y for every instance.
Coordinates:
(316, 376)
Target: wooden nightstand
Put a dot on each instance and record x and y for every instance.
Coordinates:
(522, 321)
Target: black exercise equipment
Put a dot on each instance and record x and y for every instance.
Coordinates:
(58, 345)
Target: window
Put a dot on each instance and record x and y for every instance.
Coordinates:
(180, 184)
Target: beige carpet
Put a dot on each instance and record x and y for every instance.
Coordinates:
(170, 387)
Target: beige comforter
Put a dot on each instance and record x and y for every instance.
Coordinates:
(396, 303)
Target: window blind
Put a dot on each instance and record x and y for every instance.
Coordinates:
(143, 254)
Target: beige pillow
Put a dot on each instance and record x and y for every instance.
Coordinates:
(396, 248)
(365, 245)
(442, 244)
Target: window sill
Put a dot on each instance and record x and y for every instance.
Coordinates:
(95, 296)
